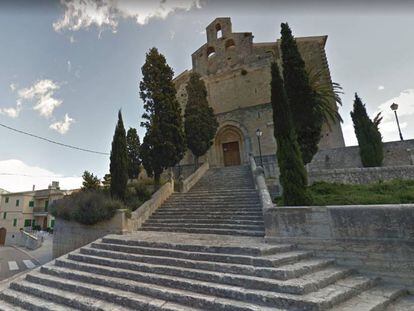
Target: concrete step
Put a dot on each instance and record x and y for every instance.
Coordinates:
(66, 300)
(230, 204)
(204, 231)
(222, 213)
(158, 273)
(128, 292)
(60, 277)
(405, 303)
(17, 301)
(215, 244)
(285, 270)
(143, 253)
(205, 221)
(376, 298)
(210, 207)
(176, 224)
(211, 198)
(195, 191)
(210, 217)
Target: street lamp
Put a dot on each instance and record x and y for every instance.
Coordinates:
(394, 108)
(259, 134)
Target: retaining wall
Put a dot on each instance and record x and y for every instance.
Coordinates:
(375, 239)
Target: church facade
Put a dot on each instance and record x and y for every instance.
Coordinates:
(236, 72)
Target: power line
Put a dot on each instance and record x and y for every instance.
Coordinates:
(53, 141)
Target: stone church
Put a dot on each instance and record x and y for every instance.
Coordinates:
(236, 72)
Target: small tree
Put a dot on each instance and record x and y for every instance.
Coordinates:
(90, 181)
(307, 118)
(163, 145)
(368, 135)
(293, 177)
(200, 122)
(133, 146)
(119, 161)
(106, 181)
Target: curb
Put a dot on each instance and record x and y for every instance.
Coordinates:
(26, 253)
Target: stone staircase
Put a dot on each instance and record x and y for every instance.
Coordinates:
(173, 264)
(224, 201)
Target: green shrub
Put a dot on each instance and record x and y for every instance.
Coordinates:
(87, 208)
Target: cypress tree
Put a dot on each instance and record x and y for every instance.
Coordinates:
(306, 117)
(163, 145)
(368, 135)
(133, 146)
(118, 167)
(293, 176)
(200, 122)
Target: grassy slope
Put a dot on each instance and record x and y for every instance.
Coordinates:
(396, 191)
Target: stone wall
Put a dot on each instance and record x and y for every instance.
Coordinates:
(364, 175)
(375, 239)
(70, 235)
(396, 153)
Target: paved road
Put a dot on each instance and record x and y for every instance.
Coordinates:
(13, 261)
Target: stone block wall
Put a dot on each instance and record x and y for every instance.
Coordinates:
(364, 175)
(375, 239)
(396, 153)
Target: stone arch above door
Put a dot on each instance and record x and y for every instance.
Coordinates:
(230, 133)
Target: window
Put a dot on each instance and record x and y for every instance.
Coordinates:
(17, 202)
(6, 200)
(52, 223)
(27, 222)
(15, 222)
(210, 52)
(31, 203)
(4, 215)
(230, 44)
(46, 205)
(219, 32)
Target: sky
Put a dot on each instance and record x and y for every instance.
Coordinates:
(67, 67)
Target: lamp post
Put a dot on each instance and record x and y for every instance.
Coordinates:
(259, 134)
(394, 108)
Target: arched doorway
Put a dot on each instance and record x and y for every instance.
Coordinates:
(3, 233)
(229, 146)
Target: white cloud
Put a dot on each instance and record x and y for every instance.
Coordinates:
(106, 13)
(12, 112)
(381, 87)
(42, 92)
(13, 87)
(63, 126)
(18, 176)
(72, 39)
(388, 126)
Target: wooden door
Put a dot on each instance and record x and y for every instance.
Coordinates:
(3, 232)
(231, 154)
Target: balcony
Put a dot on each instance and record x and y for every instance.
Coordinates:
(40, 211)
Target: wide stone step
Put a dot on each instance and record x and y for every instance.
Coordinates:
(171, 285)
(106, 287)
(286, 270)
(218, 203)
(217, 194)
(66, 299)
(210, 217)
(222, 213)
(189, 243)
(204, 231)
(196, 206)
(195, 191)
(13, 300)
(205, 221)
(403, 304)
(157, 273)
(145, 253)
(204, 226)
(376, 298)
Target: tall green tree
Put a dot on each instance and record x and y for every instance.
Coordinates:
(133, 146)
(164, 144)
(307, 118)
(368, 135)
(90, 181)
(200, 123)
(118, 167)
(293, 176)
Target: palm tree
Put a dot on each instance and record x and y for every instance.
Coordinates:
(327, 95)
